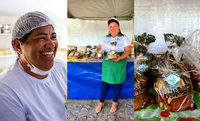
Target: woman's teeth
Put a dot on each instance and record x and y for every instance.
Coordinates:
(48, 54)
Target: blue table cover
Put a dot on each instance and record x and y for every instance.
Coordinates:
(84, 81)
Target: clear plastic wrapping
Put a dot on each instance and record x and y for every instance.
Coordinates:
(142, 42)
(191, 52)
(142, 96)
(162, 50)
(159, 51)
(191, 48)
(174, 86)
(112, 54)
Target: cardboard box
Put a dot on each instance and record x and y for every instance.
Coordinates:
(71, 47)
(82, 49)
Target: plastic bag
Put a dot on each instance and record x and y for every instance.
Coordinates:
(174, 43)
(191, 48)
(142, 42)
(159, 50)
(112, 54)
(142, 97)
(174, 87)
(194, 73)
(191, 51)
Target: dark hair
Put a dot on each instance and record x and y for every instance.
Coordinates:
(113, 20)
(21, 40)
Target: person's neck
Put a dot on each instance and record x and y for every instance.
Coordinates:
(27, 69)
(113, 36)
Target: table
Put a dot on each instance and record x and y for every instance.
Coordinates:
(84, 81)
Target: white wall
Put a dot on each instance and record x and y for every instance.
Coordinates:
(166, 16)
(90, 32)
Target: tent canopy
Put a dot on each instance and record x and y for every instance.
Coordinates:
(101, 9)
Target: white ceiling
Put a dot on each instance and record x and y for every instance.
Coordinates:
(101, 9)
(56, 9)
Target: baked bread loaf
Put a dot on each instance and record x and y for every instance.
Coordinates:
(7, 52)
(93, 55)
(141, 93)
(112, 54)
(178, 104)
(142, 100)
(173, 94)
(195, 76)
(76, 55)
(1, 52)
(70, 56)
(196, 81)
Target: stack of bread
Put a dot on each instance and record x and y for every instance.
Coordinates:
(5, 52)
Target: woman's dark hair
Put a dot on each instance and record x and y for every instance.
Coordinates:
(113, 20)
(21, 40)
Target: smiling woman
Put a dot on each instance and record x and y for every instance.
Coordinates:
(113, 69)
(34, 87)
(39, 50)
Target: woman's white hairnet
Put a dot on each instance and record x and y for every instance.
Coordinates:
(29, 21)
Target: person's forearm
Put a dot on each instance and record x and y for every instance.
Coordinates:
(98, 49)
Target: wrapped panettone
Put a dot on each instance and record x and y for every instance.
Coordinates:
(76, 55)
(174, 88)
(112, 54)
(141, 91)
(88, 51)
(155, 64)
(195, 77)
(196, 81)
(191, 52)
(71, 55)
(94, 53)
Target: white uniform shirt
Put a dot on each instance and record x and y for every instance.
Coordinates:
(26, 98)
(122, 42)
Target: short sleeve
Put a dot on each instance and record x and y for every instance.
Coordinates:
(10, 110)
(102, 41)
(126, 41)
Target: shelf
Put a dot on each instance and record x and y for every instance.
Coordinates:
(62, 52)
(7, 56)
(2, 34)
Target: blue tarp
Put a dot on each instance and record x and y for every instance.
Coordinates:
(84, 81)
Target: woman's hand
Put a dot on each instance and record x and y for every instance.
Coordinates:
(117, 59)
